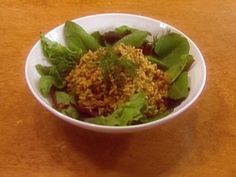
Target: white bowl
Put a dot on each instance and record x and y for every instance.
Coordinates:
(105, 22)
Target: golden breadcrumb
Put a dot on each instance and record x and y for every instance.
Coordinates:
(87, 81)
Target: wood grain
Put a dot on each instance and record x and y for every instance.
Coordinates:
(201, 142)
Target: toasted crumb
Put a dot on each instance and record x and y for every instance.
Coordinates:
(88, 83)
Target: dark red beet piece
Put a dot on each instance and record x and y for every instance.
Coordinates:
(111, 37)
(85, 111)
(147, 49)
(172, 103)
(52, 95)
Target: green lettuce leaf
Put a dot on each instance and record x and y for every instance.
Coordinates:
(64, 98)
(58, 80)
(126, 113)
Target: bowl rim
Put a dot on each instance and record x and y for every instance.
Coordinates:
(105, 128)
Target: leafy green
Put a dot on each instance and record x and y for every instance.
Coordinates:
(61, 57)
(58, 80)
(96, 35)
(183, 63)
(71, 112)
(189, 63)
(158, 62)
(88, 40)
(174, 71)
(136, 39)
(157, 117)
(45, 84)
(124, 28)
(99, 37)
(168, 43)
(64, 102)
(62, 60)
(64, 98)
(171, 47)
(126, 113)
(53, 49)
(43, 70)
(172, 50)
(72, 37)
(133, 110)
(179, 89)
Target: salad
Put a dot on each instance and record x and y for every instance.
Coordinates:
(121, 77)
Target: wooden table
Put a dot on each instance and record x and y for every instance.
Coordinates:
(199, 143)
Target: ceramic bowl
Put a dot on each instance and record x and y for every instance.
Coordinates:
(106, 22)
